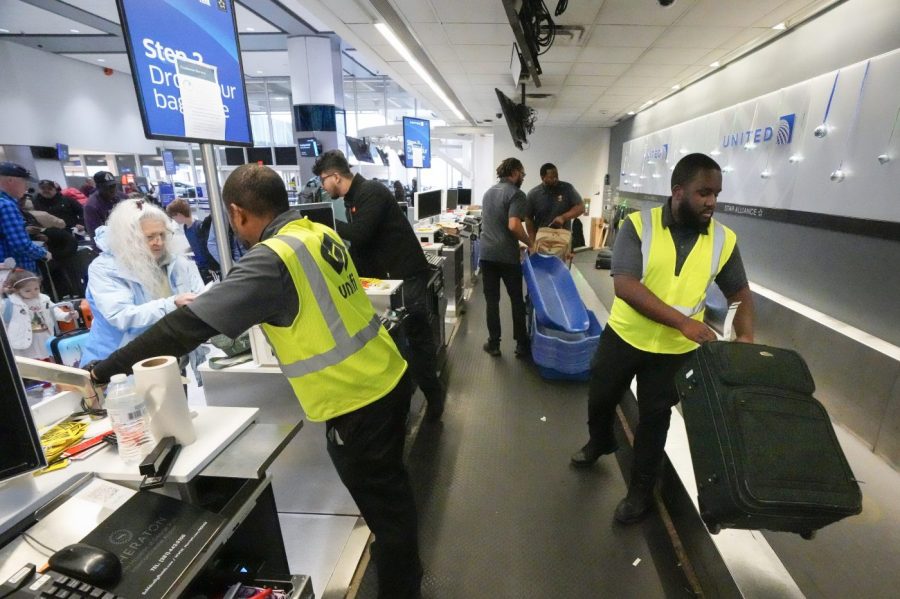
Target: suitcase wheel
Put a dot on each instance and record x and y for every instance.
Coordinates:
(711, 525)
(808, 534)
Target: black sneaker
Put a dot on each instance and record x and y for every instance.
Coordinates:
(491, 348)
(590, 453)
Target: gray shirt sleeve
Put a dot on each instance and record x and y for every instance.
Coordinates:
(732, 278)
(517, 205)
(574, 197)
(257, 290)
(627, 258)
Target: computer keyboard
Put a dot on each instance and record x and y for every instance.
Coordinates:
(434, 259)
(52, 584)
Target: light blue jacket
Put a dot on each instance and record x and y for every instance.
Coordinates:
(121, 307)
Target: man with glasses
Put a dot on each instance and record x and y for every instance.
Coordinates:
(383, 245)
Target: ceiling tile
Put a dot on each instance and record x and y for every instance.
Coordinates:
(272, 64)
(487, 68)
(416, 11)
(672, 56)
(368, 34)
(590, 80)
(624, 36)
(610, 55)
(450, 67)
(629, 80)
(695, 37)
(559, 53)
(784, 12)
(484, 53)
(606, 70)
(471, 11)
(754, 34)
(19, 17)
(479, 33)
(431, 33)
(388, 53)
(439, 53)
(656, 70)
(629, 12)
(479, 79)
(349, 11)
(727, 13)
(555, 68)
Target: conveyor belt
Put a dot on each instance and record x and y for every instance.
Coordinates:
(502, 513)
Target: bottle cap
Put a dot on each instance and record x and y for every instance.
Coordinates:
(118, 378)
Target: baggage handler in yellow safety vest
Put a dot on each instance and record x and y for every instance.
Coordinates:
(298, 282)
(664, 260)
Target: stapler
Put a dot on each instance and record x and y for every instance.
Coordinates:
(158, 463)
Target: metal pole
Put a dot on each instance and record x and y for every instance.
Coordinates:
(216, 207)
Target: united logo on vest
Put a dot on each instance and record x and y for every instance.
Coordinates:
(336, 355)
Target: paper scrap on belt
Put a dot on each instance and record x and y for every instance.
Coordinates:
(201, 99)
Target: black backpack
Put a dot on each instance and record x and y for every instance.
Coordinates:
(203, 237)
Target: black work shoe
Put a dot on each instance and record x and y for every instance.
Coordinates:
(436, 401)
(590, 453)
(492, 349)
(523, 349)
(634, 508)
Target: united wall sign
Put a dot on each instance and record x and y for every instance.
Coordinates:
(782, 133)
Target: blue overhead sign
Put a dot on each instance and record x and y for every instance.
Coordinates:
(416, 143)
(168, 158)
(186, 64)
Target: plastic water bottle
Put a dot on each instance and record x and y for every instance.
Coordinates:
(128, 414)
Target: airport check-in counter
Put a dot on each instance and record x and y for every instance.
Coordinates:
(223, 472)
(326, 533)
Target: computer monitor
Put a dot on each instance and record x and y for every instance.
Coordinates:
(452, 199)
(309, 147)
(256, 155)
(322, 213)
(21, 445)
(428, 203)
(456, 197)
(360, 149)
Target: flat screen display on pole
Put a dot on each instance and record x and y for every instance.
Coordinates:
(186, 64)
(416, 143)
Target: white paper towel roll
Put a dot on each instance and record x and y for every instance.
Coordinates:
(159, 380)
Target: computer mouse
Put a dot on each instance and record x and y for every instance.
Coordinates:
(87, 564)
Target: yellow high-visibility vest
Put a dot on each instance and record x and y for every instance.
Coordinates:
(336, 355)
(685, 292)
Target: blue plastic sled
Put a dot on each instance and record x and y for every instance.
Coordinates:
(553, 293)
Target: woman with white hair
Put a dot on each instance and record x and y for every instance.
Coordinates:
(137, 279)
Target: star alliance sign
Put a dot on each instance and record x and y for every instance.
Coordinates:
(783, 133)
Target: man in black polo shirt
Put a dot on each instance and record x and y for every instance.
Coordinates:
(553, 203)
(383, 245)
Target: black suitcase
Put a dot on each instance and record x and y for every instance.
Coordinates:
(764, 451)
(604, 259)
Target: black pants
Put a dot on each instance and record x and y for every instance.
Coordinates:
(422, 352)
(511, 274)
(614, 365)
(366, 447)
